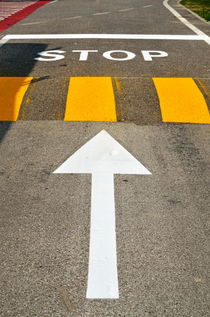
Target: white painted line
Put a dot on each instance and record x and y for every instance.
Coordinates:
(3, 41)
(106, 36)
(101, 13)
(73, 18)
(102, 157)
(52, 2)
(147, 6)
(102, 273)
(125, 10)
(32, 23)
(186, 22)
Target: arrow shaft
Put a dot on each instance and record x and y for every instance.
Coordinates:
(102, 273)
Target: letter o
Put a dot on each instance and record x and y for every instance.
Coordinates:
(128, 57)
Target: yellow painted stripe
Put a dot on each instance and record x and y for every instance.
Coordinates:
(90, 99)
(12, 91)
(181, 100)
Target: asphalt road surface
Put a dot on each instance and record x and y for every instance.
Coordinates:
(76, 245)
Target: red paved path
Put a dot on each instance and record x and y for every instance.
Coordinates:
(13, 12)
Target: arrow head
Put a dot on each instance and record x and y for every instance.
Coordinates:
(102, 154)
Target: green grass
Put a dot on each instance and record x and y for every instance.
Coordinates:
(201, 7)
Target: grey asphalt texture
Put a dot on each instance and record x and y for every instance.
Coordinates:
(162, 220)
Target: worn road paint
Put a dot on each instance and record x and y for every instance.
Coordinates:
(90, 99)
(101, 13)
(126, 10)
(73, 18)
(33, 23)
(186, 22)
(181, 100)
(102, 157)
(12, 91)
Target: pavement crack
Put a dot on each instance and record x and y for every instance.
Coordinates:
(66, 300)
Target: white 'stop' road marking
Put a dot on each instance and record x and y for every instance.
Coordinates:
(186, 22)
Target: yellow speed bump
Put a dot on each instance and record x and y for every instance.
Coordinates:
(90, 99)
(181, 100)
(12, 91)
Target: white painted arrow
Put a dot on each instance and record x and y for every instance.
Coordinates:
(102, 157)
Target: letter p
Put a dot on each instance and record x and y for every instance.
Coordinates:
(149, 55)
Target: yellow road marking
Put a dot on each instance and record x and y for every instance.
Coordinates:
(12, 91)
(181, 100)
(90, 99)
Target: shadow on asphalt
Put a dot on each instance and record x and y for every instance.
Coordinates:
(4, 127)
(16, 60)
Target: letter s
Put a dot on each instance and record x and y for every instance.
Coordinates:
(54, 56)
